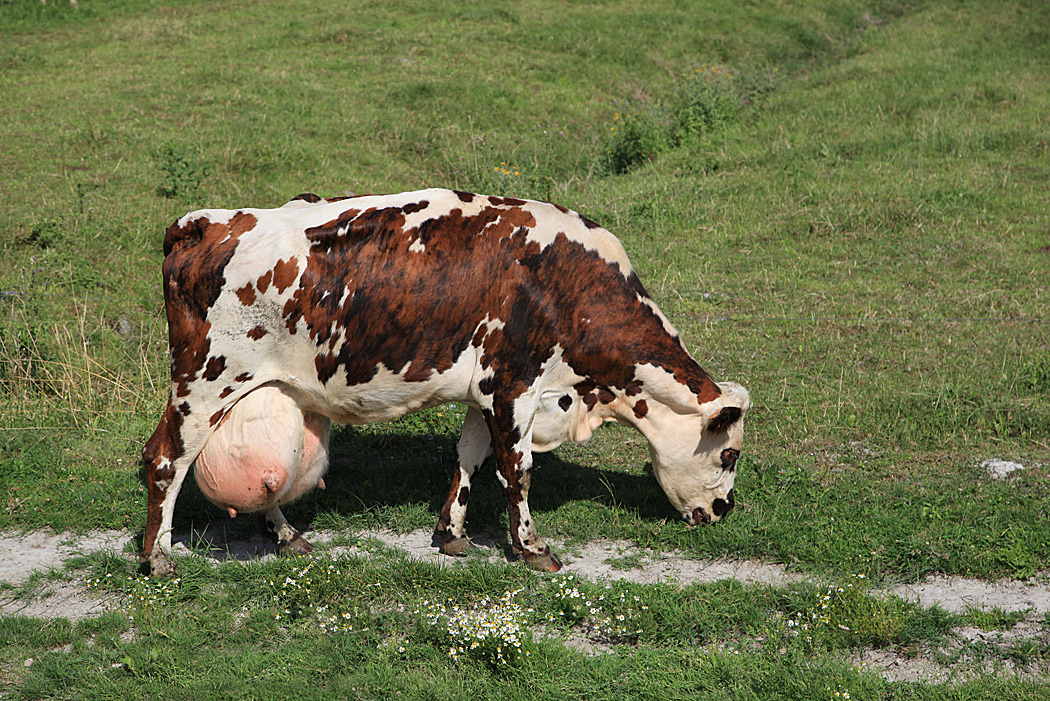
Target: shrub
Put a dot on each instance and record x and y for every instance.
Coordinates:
(704, 103)
(635, 136)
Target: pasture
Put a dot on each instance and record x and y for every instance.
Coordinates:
(844, 206)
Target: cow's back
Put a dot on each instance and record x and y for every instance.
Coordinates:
(407, 287)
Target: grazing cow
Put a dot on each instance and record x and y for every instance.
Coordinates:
(364, 309)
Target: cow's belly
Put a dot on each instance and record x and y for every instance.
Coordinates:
(388, 395)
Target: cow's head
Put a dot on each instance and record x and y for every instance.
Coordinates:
(694, 454)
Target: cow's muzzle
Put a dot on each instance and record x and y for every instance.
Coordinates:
(697, 516)
(719, 509)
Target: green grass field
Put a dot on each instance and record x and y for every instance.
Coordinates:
(845, 206)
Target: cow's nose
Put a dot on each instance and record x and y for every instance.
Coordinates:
(721, 507)
(697, 516)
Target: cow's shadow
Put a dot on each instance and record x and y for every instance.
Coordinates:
(374, 477)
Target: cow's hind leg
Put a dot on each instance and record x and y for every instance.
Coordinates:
(276, 527)
(473, 448)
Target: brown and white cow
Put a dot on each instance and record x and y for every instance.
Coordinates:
(364, 309)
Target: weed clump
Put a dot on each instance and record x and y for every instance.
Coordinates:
(704, 103)
(181, 174)
(611, 614)
(846, 614)
(315, 593)
(637, 135)
(493, 631)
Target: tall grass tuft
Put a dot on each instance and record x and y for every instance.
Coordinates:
(73, 370)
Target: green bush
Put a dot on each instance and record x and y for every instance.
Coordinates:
(635, 136)
(704, 103)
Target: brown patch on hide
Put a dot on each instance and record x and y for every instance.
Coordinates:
(505, 202)
(284, 273)
(214, 368)
(196, 256)
(263, 283)
(415, 207)
(247, 295)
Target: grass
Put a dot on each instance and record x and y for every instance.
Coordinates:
(844, 208)
(994, 618)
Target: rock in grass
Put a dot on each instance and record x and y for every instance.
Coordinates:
(1000, 469)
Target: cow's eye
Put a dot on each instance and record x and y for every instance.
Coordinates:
(729, 458)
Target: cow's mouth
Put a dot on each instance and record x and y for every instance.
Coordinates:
(719, 509)
(697, 516)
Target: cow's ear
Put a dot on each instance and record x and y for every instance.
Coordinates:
(722, 419)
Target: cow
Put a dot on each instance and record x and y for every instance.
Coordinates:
(363, 309)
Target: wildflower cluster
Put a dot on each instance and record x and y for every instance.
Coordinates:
(489, 630)
(548, 129)
(838, 693)
(140, 591)
(847, 612)
(610, 614)
(306, 594)
(352, 621)
(504, 169)
(146, 600)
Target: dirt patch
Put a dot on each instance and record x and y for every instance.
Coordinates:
(956, 594)
(21, 555)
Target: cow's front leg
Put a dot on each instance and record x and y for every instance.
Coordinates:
(167, 463)
(289, 540)
(473, 448)
(514, 470)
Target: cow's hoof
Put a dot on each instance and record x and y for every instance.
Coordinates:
(547, 562)
(296, 546)
(160, 565)
(457, 547)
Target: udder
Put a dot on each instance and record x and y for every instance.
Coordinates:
(265, 452)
